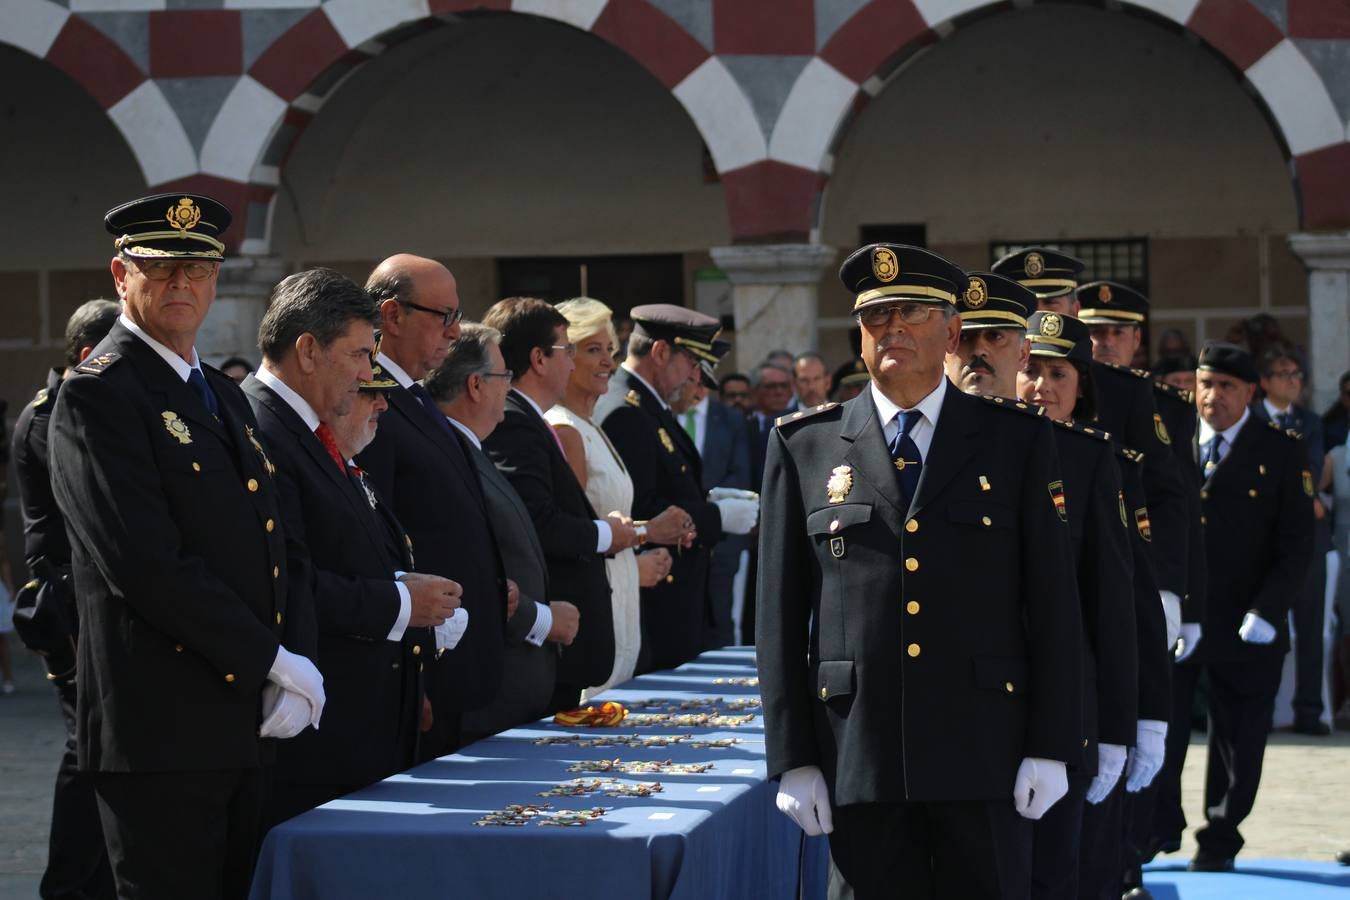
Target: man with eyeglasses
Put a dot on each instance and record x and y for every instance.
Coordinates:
(1282, 385)
(180, 572)
(417, 463)
(919, 639)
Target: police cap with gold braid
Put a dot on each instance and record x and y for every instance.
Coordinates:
(1063, 337)
(992, 301)
(891, 273)
(707, 372)
(686, 329)
(1111, 303)
(380, 381)
(1047, 272)
(170, 226)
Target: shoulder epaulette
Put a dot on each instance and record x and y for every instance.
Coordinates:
(803, 414)
(632, 398)
(1287, 432)
(1171, 390)
(1029, 409)
(97, 365)
(1126, 370)
(1085, 430)
(1133, 456)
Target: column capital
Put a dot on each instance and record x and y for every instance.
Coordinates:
(774, 263)
(1322, 249)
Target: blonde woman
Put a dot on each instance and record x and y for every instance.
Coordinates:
(601, 472)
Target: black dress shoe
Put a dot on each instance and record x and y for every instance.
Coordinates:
(1343, 857)
(1139, 893)
(1312, 727)
(1203, 863)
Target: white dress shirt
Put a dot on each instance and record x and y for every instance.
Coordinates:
(181, 367)
(930, 407)
(1230, 434)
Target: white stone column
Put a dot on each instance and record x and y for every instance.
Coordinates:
(231, 327)
(774, 290)
(1327, 256)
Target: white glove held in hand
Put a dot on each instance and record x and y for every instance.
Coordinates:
(1171, 604)
(286, 713)
(738, 516)
(1039, 785)
(1146, 758)
(1110, 763)
(296, 673)
(803, 798)
(1188, 639)
(452, 629)
(1256, 630)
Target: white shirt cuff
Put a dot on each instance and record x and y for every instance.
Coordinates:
(604, 535)
(543, 624)
(404, 612)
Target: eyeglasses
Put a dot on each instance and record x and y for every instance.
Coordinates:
(910, 314)
(448, 316)
(163, 269)
(1291, 374)
(570, 349)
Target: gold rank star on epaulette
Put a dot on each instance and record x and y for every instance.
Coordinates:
(1126, 370)
(803, 414)
(1029, 408)
(1171, 390)
(1287, 432)
(97, 365)
(1085, 430)
(1133, 456)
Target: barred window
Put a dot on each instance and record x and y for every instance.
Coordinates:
(1124, 260)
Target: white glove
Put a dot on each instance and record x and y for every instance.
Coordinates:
(286, 713)
(452, 629)
(298, 674)
(1256, 630)
(803, 798)
(1038, 786)
(1146, 757)
(738, 516)
(1172, 613)
(1110, 763)
(1188, 638)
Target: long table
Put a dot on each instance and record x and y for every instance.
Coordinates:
(709, 835)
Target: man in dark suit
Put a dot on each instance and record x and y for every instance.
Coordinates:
(923, 733)
(1257, 500)
(526, 450)
(417, 463)
(664, 352)
(1282, 385)
(470, 387)
(372, 614)
(773, 391)
(77, 860)
(179, 563)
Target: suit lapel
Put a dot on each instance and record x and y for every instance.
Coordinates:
(402, 401)
(1245, 436)
(954, 442)
(869, 458)
(159, 377)
(537, 422)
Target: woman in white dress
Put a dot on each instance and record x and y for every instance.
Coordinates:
(602, 473)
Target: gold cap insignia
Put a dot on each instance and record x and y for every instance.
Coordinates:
(1104, 293)
(1051, 325)
(184, 216)
(665, 440)
(176, 426)
(1056, 489)
(884, 264)
(1034, 265)
(1161, 430)
(839, 484)
(977, 294)
(632, 398)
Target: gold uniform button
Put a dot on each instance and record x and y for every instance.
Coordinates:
(987, 521)
(1204, 495)
(912, 607)
(912, 564)
(270, 525)
(670, 579)
(824, 693)
(278, 618)
(1204, 520)
(229, 679)
(196, 467)
(913, 650)
(252, 485)
(912, 525)
(276, 571)
(177, 648)
(417, 649)
(1008, 686)
(1085, 742)
(395, 665)
(1251, 493)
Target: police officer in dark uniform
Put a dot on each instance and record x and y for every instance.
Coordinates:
(77, 861)
(919, 635)
(665, 350)
(1257, 501)
(179, 572)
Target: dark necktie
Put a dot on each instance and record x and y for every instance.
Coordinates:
(1212, 455)
(1285, 419)
(325, 436)
(905, 454)
(197, 381)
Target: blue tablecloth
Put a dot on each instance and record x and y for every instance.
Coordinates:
(709, 835)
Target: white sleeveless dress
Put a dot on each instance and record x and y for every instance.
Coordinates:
(608, 487)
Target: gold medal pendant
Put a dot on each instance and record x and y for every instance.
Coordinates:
(176, 426)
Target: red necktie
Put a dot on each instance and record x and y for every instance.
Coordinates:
(325, 436)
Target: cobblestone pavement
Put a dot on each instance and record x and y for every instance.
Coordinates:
(1303, 810)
